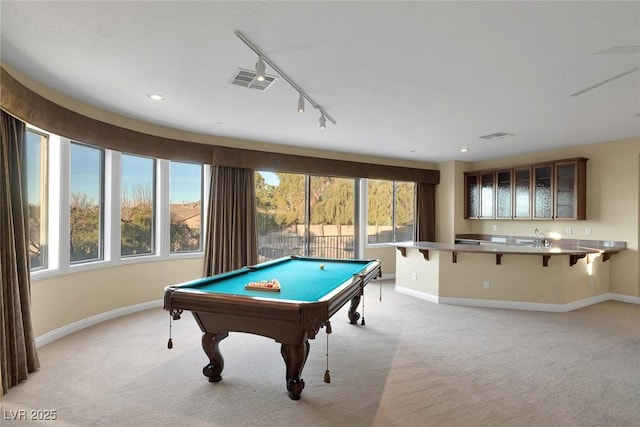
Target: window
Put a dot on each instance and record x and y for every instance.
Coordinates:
(37, 190)
(404, 202)
(284, 201)
(280, 214)
(86, 203)
(332, 217)
(390, 211)
(185, 207)
(380, 211)
(137, 205)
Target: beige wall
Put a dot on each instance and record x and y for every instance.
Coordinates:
(62, 300)
(387, 257)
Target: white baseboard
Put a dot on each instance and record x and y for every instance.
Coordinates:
(56, 334)
(417, 294)
(625, 298)
(518, 305)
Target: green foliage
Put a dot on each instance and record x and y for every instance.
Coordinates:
(136, 229)
(332, 200)
(380, 202)
(288, 200)
(183, 237)
(265, 206)
(405, 197)
(84, 222)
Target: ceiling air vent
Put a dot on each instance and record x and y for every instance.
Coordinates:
(247, 78)
(497, 135)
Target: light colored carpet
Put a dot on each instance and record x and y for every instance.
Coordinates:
(414, 364)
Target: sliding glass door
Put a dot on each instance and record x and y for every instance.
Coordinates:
(305, 215)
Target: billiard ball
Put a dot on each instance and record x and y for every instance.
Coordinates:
(321, 266)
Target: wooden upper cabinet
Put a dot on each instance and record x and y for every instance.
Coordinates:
(551, 190)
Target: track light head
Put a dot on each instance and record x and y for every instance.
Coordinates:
(301, 104)
(260, 69)
(323, 121)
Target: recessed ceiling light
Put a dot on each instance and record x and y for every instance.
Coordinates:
(155, 96)
(464, 149)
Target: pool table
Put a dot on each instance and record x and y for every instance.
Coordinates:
(311, 291)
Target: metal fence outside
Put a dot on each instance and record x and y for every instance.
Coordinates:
(274, 246)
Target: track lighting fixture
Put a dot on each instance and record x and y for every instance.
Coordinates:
(260, 69)
(260, 72)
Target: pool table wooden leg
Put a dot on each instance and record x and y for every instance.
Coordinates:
(295, 357)
(210, 342)
(353, 314)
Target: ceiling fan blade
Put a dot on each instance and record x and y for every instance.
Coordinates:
(619, 49)
(605, 81)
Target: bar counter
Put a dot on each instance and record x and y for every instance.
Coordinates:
(513, 245)
(507, 272)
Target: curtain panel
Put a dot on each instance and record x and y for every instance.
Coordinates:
(425, 229)
(18, 355)
(232, 238)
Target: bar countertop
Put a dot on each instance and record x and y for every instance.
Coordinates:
(490, 244)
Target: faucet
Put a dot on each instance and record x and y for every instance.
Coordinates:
(540, 239)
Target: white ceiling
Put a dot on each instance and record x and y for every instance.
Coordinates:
(410, 80)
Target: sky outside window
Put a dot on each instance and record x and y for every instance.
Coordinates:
(186, 182)
(86, 171)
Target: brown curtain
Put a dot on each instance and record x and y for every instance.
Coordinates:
(231, 240)
(425, 229)
(18, 355)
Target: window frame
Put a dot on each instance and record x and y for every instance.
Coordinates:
(101, 200)
(202, 209)
(57, 211)
(394, 223)
(155, 212)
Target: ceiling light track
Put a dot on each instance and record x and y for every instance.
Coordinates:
(303, 94)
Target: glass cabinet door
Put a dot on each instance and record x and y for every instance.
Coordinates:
(565, 194)
(542, 194)
(472, 196)
(487, 195)
(522, 193)
(503, 194)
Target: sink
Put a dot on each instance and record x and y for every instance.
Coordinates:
(525, 241)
